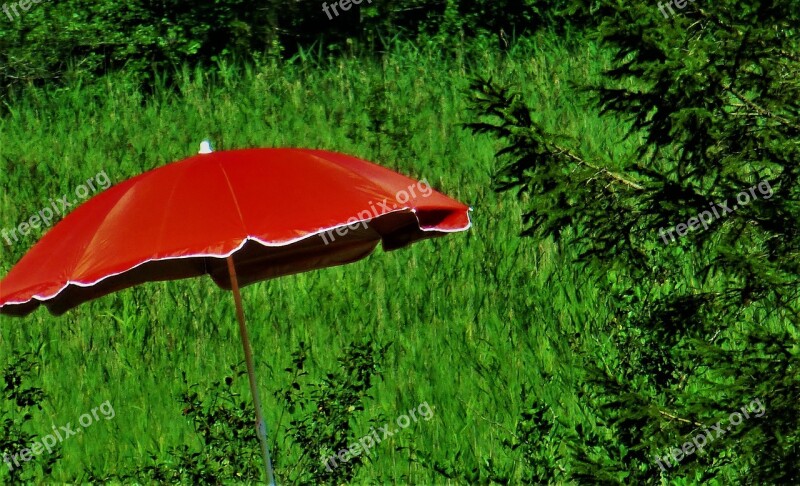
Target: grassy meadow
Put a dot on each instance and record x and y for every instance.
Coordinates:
(473, 318)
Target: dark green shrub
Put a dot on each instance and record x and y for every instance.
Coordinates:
(20, 400)
(324, 417)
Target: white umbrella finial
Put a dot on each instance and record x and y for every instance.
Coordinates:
(205, 147)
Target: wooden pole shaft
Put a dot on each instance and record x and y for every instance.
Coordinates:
(261, 427)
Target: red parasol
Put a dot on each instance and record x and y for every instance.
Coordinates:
(240, 216)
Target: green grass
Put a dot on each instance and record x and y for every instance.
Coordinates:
(473, 317)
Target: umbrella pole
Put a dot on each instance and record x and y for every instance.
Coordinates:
(261, 427)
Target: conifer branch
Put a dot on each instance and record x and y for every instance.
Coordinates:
(789, 55)
(761, 110)
(666, 414)
(616, 177)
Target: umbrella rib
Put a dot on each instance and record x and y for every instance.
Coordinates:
(381, 190)
(167, 205)
(233, 198)
(362, 177)
(88, 248)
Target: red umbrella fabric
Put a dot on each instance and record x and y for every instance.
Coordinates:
(239, 216)
(277, 211)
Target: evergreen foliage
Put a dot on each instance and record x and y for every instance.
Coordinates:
(711, 93)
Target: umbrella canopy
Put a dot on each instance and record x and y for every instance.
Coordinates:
(276, 211)
(239, 216)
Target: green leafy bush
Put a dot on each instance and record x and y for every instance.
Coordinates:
(56, 41)
(324, 418)
(20, 400)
